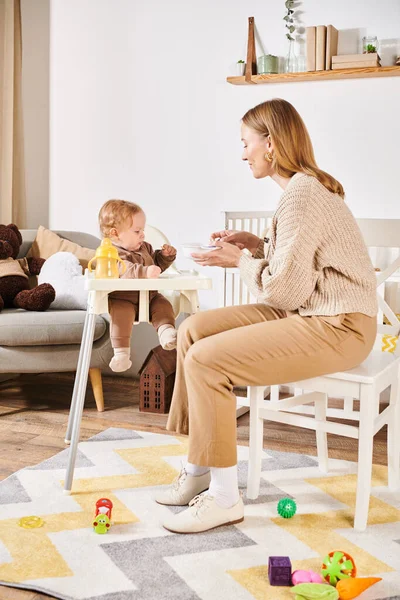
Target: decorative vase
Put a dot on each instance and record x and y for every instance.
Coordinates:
(267, 63)
(291, 59)
(301, 63)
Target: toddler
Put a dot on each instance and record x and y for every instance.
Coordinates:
(124, 222)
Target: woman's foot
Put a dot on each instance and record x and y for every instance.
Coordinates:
(203, 514)
(184, 489)
(167, 335)
(121, 360)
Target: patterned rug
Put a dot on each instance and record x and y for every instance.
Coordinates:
(139, 560)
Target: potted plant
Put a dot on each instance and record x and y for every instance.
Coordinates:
(240, 67)
(370, 44)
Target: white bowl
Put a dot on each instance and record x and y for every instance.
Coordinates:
(189, 249)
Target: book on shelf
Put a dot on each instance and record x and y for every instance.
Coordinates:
(332, 35)
(320, 48)
(310, 47)
(346, 58)
(356, 65)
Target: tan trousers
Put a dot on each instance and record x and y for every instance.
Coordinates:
(252, 345)
(123, 308)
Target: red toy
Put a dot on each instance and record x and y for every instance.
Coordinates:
(104, 506)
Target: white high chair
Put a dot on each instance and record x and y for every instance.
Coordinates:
(364, 383)
(181, 302)
(181, 288)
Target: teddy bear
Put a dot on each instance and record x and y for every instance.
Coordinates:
(63, 271)
(14, 283)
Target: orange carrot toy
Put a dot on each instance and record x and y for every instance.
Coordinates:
(353, 587)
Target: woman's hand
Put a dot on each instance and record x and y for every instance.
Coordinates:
(153, 272)
(228, 255)
(241, 239)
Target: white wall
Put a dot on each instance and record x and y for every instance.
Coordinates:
(35, 17)
(140, 110)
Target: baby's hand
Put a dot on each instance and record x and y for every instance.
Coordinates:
(153, 272)
(168, 250)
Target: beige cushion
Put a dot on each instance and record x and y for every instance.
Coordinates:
(24, 328)
(48, 243)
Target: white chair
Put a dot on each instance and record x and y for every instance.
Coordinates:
(365, 383)
(235, 291)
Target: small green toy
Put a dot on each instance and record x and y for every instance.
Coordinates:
(101, 524)
(338, 565)
(286, 508)
(314, 591)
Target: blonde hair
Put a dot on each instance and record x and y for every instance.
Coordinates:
(115, 213)
(293, 150)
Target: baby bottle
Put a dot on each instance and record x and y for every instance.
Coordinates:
(106, 258)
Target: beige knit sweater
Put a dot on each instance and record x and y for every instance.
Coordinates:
(316, 260)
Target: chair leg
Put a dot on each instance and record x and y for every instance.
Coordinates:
(256, 396)
(97, 386)
(393, 439)
(274, 393)
(368, 400)
(322, 438)
(74, 422)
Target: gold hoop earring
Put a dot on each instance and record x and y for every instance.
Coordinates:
(268, 156)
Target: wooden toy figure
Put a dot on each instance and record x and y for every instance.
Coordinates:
(101, 524)
(157, 377)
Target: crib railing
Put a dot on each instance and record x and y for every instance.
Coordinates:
(257, 222)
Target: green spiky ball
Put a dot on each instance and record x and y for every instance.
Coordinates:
(287, 508)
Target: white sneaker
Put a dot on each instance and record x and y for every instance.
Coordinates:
(184, 489)
(204, 514)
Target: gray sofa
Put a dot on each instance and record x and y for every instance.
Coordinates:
(48, 342)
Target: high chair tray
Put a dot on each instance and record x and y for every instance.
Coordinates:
(174, 282)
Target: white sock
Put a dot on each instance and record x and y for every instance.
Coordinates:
(224, 486)
(121, 360)
(167, 335)
(195, 470)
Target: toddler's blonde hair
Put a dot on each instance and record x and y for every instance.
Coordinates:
(115, 213)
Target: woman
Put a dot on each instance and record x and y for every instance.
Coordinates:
(316, 313)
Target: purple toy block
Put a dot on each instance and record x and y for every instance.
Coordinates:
(279, 570)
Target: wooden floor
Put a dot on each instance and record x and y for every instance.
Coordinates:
(34, 414)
